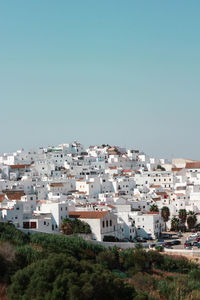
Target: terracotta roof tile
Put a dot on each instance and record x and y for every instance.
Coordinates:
(14, 195)
(2, 196)
(19, 166)
(87, 214)
(193, 165)
(56, 184)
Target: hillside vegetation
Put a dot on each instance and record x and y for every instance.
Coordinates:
(45, 266)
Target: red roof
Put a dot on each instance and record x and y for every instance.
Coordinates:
(111, 206)
(14, 195)
(155, 186)
(176, 169)
(19, 166)
(127, 171)
(87, 214)
(193, 165)
(2, 196)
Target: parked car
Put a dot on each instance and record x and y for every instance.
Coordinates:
(140, 239)
(194, 235)
(187, 244)
(176, 242)
(159, 240)
(148, 238)
(169, 243)
(195, 243)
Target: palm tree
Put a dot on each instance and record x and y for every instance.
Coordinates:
(66, 228)
(182, 214)
(165, 213)
(174, 224)
(154, 208)
(191, 221)
(190, 212)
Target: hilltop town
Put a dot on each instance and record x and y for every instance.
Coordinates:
(123, 194)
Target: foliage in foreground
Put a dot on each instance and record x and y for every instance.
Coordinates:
(47, 266)
(64, 277)
(70, 226)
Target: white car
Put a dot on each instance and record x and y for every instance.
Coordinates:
(194, 234)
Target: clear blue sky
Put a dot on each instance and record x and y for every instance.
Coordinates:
(109, 71)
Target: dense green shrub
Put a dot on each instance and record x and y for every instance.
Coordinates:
(135, 260)
(109, 259)
(72, 245)
(76, 226)
(177, 288)
(49, 266)
(181, 265)
(64, 277)
(8, 232)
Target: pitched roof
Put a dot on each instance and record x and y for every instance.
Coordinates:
(193, 165)
(2, 196)
(87, 214)
(111, 206)
(176, 169)
(127, 171)
(155, 186)
(14, 195)
(56, 184)
(19, 166)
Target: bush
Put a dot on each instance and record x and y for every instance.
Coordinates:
(63, 277)
(109, 259)
(8, 232)
(76, 226)
(135, 260)
(73, 245)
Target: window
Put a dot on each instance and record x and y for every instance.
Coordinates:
(66, 208)
(110, 222)
(33, 225)
(106, 223)
(103, 224)
(44, 222)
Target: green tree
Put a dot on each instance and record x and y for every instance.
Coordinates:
(182, 214)
(174, 224)
(191, 221)
(165, 213)
(66, 227)
(70, 226)
(154, 208)
(63, 277)
(159, 167)
(109, 259)
(191, 213)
